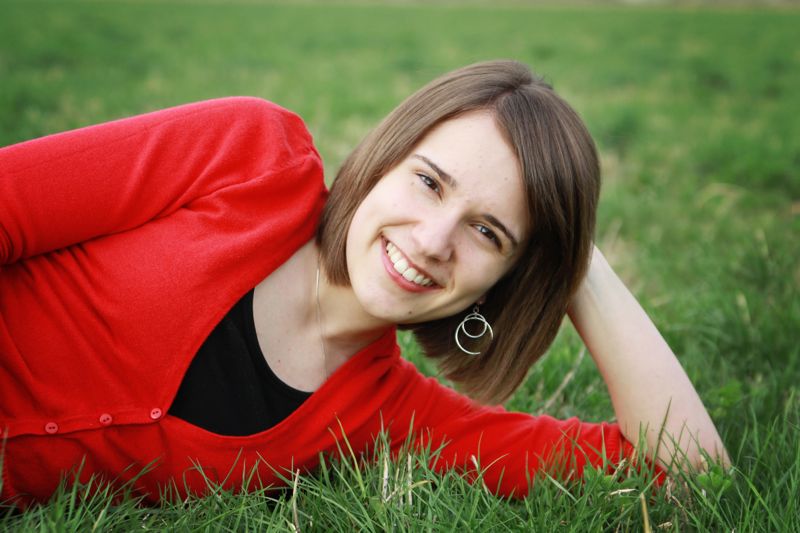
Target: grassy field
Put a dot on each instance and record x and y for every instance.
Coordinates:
(696, 116)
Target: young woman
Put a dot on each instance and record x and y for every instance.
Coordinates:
(179, 289)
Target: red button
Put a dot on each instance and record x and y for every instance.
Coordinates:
(106, 419)
(51, 427)
(155, 413)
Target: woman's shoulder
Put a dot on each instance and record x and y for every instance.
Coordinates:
(253, 125)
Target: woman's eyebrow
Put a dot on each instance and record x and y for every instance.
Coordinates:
(447, 178)
(494, 222)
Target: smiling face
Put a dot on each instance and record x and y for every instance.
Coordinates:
(440, 228)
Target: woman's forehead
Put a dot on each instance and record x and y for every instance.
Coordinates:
(470, 153)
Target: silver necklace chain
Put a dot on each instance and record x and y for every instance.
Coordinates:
(319, 327)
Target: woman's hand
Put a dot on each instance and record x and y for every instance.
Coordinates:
(649, 390)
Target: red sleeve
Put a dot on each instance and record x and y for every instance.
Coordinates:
(71, 187)
(122, 245)
(509, 448)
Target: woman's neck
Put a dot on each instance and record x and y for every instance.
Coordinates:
(345, 327)
(306, 329)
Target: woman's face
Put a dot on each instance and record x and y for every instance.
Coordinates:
(439, 229)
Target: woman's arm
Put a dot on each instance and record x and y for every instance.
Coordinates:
(79, 185)
(648, 387)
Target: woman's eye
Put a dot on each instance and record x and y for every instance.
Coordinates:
(489, 234)
(429, 182)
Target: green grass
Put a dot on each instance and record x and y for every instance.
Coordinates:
(695, 112)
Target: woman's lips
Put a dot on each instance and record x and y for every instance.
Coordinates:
(398, 278)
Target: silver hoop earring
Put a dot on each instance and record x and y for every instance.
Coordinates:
(474, 316)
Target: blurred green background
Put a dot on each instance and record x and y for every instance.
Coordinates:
(694, 111)
(694, 108)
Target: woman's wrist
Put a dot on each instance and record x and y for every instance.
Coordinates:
(598, 277)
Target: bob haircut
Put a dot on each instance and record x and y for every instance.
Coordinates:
(559, 166)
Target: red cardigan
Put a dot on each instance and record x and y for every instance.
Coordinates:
(123, 244)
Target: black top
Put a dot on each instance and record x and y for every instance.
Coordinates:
(229, 388)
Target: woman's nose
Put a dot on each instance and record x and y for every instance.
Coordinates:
(434, 237)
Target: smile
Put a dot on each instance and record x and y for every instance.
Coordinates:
(404, 273)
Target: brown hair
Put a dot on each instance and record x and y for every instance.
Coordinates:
(561, 175)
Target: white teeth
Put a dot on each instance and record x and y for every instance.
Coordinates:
(410, 274)
(403, 268)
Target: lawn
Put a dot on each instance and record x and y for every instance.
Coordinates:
(695, 112)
